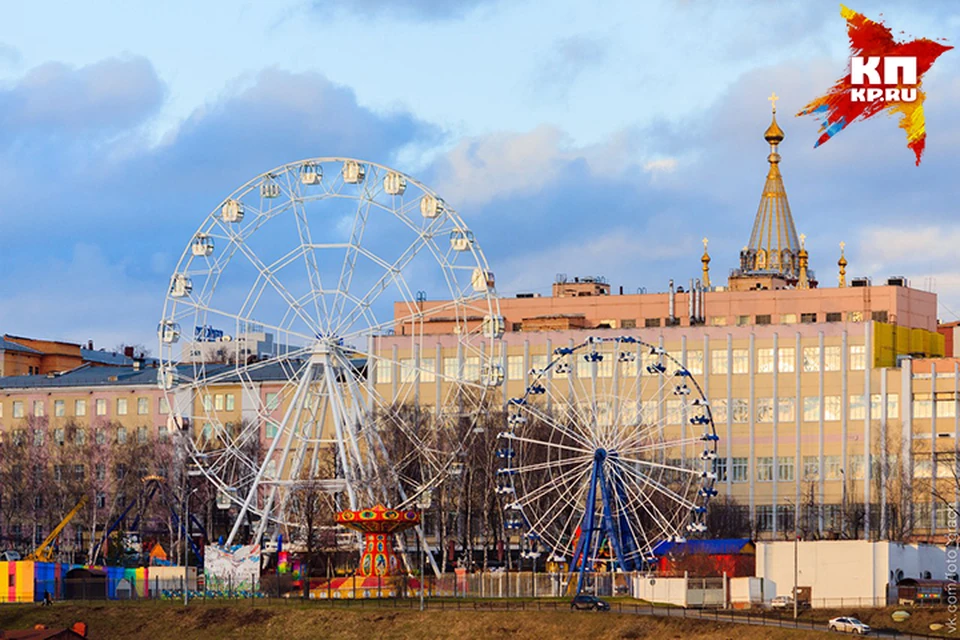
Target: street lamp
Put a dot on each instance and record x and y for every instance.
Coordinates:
(423, 503)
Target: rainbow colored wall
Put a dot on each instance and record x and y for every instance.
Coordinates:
(27, 581)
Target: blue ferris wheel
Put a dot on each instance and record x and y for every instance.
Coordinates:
(610, 450)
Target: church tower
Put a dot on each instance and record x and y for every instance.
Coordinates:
(771, 260)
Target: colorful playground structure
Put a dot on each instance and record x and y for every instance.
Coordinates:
(28, 581)
(377, 576)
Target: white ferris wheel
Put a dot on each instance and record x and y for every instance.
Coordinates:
(609, 452)
(305, 289)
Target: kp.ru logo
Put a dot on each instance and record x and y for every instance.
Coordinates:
(866, 71)
(885, 75)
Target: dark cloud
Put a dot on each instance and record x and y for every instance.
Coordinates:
(105, 221)
(101, 98)
(403, 9)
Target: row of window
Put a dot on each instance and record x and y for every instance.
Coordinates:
(761, 319)
(737, 410)
(736, 361)
(783, 468)
(80, 407)
(78, 436)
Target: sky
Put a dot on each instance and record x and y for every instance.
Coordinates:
(572, 140)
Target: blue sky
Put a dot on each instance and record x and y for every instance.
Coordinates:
(573, 140)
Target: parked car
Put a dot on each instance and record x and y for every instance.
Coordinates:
(849, 625)
(10, 556)
(782, 602)
(584, 602)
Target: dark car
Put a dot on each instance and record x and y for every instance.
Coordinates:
(585, 602)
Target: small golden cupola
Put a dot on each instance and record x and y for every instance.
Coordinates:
(705, 260)
(803, 281)
(842, 263)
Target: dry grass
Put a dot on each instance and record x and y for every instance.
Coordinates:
(169, 621)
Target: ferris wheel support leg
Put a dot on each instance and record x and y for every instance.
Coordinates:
(589, 519)
(338, 425)
(612, 533)
(251, 495)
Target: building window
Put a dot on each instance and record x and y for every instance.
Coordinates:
(720, 468)
(785, 469)
(922, 408)
(651, 322)
(879, 316)
(674, 413)
(59, 408)
(764, 469)
(740, 411)
(811, 359)
(858, 408)
(832, 466)
(100, 470)
(763, 319)
(695, 362)
(142, 435)
(38, 408)
(834, 317)
(764, 360)
(740, 469)
(163, 405)
(218, 402)
(428, 370)
(162, 432)
(273, 400)
(121, 406)
(80, 437)
(100, 436)
(384, 369)
(831, 358)
(858, 357)
(893, 405)
(811, 409)
(741, 361)
(786, 360)
(787, 410)
(764, 518)
(121, 435)
(946, 407)
(718, 410)
(718, 321)
(471, 368)
(101, 500)
(855, 316)
(101, 406)
(832, 408)
(38, 437)
(231, 402)
(811, 468)
(855, 467)
(207, 403)
(743, 321)
(451, 368)
(808, 318)
(628, 323)
(788, 318)
(785, 516)
(407, 371)
(143, 406)
(80, 407)
(78, 472)
(764, 410)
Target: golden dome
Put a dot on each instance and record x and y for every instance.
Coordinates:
(773, 134)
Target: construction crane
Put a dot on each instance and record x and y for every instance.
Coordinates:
(44, 553)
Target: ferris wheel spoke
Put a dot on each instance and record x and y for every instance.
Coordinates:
(310, 262)
(673, 495)
(278, 287)
(666, 528)
(656, 446)
(582, 463)
(356, 237)
(566, 427)
(571, 494)
(389, 277)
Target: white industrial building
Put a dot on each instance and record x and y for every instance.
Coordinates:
(841, 572)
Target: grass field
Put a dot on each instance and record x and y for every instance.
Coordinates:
(170, 621)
